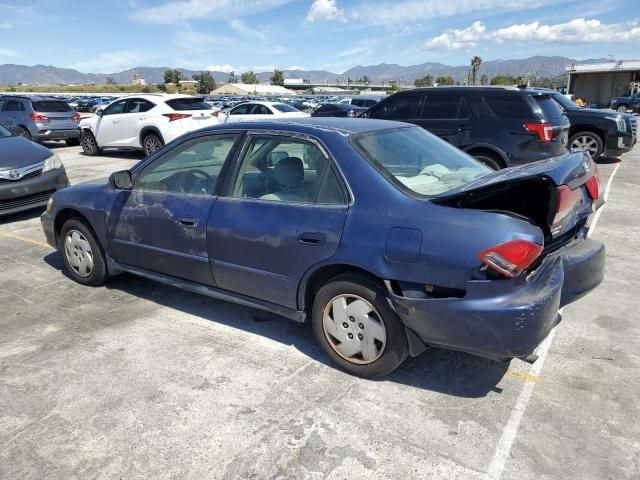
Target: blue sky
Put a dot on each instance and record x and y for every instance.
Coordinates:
(108, 36)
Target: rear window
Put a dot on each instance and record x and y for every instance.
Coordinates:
(445, 106)
(283, 107)
(417, 161)
(51, 106)
(398, 107)
(180, 104)
(548, 107)
(509, 106)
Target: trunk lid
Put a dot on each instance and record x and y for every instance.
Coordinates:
(556, 194)
(59, 114)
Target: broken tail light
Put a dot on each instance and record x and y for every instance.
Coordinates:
(511, 258)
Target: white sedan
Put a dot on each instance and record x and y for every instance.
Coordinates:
(263, 111)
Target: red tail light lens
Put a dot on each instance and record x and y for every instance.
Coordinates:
(511, 258)
(176, 116)
(76, 117)
(544, 130)
(38, 117)
(215, 114)
(593, 187)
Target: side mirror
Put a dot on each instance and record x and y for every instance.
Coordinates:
(121, 180)
(100, 112)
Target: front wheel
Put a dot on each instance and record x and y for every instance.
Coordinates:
(587, 142)
(357, 328)
(81, 253)
(23, 132)
(89, 144)
(622, 108)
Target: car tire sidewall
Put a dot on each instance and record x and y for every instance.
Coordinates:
(595, 136)
(396, 349)
(95, 150)
(621, 108)
(99, 275)
(146, 138)
(488, 161)
(23, 132)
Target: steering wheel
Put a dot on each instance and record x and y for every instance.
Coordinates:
(186, 181)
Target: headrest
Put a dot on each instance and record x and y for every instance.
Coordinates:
(289, 172)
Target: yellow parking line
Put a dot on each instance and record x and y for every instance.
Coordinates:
(527, 377)
(25, 239)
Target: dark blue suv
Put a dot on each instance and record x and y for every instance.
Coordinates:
(388, 238)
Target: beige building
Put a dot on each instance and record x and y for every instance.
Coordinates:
(251, 89)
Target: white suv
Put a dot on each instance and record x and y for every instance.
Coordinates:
(144, 122)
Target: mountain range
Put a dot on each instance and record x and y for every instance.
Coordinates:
(542, 66)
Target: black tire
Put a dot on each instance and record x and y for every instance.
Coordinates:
(98, 274)
(72, 142)
(151, 142)
(23, 132)
(491, 160)
(394, 351)
(587, 139)
(89, 144)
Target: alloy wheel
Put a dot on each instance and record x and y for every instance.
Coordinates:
(78, 252)
(354, 329)
(89, 143)
(151, 144)
(585, 143)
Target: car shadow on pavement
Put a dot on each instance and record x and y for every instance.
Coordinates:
(452, 373)
(115, 153)
(22, 216)
(607, 160)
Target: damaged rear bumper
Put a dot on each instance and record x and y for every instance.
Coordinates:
(504, 319)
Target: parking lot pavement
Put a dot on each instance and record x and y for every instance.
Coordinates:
(135, 380)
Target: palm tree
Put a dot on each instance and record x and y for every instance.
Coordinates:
(475, 66)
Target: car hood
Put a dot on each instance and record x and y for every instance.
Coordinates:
(18, 152)
(592, 112)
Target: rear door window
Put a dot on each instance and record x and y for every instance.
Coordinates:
(13, 106)
(444, 107)
(139, 105)
(260, 110)
(509, 106)
(241, 109)
(51, 106)
(397, 108)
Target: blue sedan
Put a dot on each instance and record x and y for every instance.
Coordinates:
(387, 238)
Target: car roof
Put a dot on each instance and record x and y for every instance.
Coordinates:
(343, 106)
(315, 125)
(509, 89)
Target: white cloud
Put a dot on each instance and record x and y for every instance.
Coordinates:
(194, 41)
(453, 39)
(5, 26)
(244, 29)
(263, 68)
(325, 10)
(385, 12)
(173, 11)
(109, 62)
(7, 52)
(354, 51)
(226, 68)
(578, 30)
(296, 67)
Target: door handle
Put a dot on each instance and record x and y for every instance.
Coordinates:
(142, 118)
(188, 222)
(115, 121)
(312, 238)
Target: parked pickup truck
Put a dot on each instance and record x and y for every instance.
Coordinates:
(624, 104)
(596, 131)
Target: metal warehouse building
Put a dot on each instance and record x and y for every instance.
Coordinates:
(599, 82)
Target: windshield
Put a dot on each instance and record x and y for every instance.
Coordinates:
(418, 161)
(565, 102)
(5, 132)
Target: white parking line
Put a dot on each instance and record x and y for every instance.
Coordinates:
(510, 432)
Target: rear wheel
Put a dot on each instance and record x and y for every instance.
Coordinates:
(587, 142)
(72, 142)
(491, 160)
(355, 325)
(622, 108)
(23, 132)
(82, 256)
(89, 144)
(151, 143)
